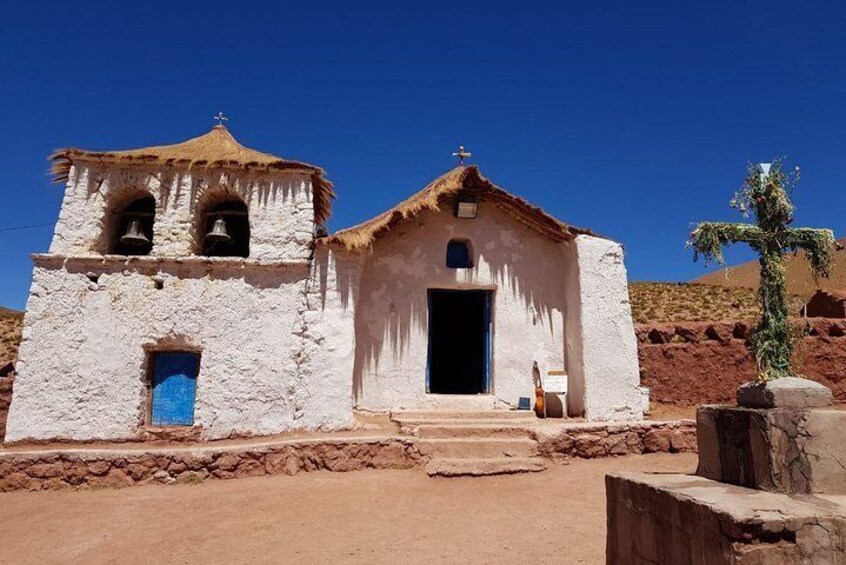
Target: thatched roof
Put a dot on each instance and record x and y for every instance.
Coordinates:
(215, 149)
(442, 191)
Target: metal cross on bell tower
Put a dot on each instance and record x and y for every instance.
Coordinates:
(462, 154)
(220, 119)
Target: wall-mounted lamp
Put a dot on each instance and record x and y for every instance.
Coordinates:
(466, 206)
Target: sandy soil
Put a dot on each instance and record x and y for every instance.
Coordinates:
(658, 411)
(363, 517)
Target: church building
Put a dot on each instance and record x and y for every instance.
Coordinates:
(194, 287)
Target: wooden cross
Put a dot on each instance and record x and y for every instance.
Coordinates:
(220, 119)
(763, 194)
(461, 154)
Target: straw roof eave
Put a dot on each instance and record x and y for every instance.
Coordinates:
(442, 190)
(216, 149)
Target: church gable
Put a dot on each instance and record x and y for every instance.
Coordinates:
(463, 185)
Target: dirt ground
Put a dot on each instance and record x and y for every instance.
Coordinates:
(557, 516)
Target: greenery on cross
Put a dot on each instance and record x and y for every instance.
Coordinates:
(765, 195)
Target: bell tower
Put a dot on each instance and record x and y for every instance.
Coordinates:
(173, 293)
(208, 196)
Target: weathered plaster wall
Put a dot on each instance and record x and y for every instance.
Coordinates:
(328, 350)
(525, 271)
(574, 353)
(276, 343)
(82, 366)
(275, 351)
(280, 208)
(608, 346)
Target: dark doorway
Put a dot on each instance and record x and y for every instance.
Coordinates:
(459, 341)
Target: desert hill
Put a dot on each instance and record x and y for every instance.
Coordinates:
(799, 279)
(695, 302)
(11, 322)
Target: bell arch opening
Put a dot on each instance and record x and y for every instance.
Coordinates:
(129, 229)
(225, 229)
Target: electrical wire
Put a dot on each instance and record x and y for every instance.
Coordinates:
(16, 228)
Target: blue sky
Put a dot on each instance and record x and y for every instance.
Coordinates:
(633, 118)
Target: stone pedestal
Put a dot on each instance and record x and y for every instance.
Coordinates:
(769, 487)
(791, 450)
(670, 519)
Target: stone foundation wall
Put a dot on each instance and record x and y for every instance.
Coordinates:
(590, 441)
(704, 363)
(127, 465)
(110, 469)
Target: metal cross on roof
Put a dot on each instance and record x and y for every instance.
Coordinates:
(462, 154)
(220, 119)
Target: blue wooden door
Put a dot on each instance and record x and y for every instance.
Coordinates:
(174, 388)
(487, 337)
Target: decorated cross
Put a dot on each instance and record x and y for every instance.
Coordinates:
(764, 195)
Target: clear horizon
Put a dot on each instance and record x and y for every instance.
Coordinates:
(633, 120)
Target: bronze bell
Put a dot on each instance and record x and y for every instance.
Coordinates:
(134, 235)
(218, 232)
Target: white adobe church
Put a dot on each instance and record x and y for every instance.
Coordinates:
(193, 285)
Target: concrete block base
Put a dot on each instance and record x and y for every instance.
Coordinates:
(690, 520)
(798, 450)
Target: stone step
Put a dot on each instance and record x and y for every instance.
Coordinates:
(478, 447)
(445, 467)
(442, 402)
(464, 422)
(450, 429)
(494, 415)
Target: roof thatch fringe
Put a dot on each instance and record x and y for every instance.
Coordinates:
(215, 149)
(443, 189)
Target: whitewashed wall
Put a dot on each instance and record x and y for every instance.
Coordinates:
(280, 205)
(328, 350)
(291, 341)
(269, 331)
(603, 362)
(83, 360)
(525, 271)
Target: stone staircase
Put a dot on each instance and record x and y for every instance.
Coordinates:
(473, 442)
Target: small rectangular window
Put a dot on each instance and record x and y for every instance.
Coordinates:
(174, 388)
(459, 255)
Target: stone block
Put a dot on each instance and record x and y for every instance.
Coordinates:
(788, 392)
(780, 449)
(666, 519)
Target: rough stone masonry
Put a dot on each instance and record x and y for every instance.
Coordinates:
(769, 487)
